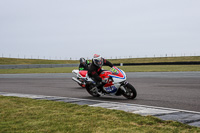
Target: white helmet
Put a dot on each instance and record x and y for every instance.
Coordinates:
(98, 60)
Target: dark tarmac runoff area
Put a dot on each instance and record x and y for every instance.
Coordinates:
(178, 90)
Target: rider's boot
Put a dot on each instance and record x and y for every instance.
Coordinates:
(99, 89)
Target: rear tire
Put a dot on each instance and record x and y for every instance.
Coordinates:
(89, 86)
(130, 92)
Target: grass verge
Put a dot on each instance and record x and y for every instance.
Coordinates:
(29, 115)
(146, 68)
(161, 68)
(157, 59)
(15, 61)
(38, 70)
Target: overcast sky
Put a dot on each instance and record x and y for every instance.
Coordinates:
(111, 28)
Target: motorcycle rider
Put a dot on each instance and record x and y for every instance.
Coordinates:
(83, 64)
(95, 69)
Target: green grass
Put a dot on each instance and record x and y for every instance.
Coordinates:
(158, 59)
(145, 68)
(161, 68)
(29, 115)
(38, 70)
(14, 61)
(9, 61)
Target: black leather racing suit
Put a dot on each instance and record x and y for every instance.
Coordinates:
(94, 71)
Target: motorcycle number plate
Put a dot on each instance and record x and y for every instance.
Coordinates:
(111, 89)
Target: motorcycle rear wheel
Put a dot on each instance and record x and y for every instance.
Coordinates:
(89, 87)
(130, 93)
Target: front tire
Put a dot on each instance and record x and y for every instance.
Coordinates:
(130, 92)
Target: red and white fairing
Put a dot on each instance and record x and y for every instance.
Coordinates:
(117, 75)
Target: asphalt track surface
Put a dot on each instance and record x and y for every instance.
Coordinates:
(178, 90)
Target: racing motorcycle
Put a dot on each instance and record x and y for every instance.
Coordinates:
(116, 83)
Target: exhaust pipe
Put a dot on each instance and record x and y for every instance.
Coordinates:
(76, 80)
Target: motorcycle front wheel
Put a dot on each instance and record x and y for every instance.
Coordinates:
(130, 93)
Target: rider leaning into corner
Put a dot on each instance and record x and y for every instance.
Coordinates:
(95, 69)
(83, 64)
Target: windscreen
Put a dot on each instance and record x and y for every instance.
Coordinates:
(114, 71)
